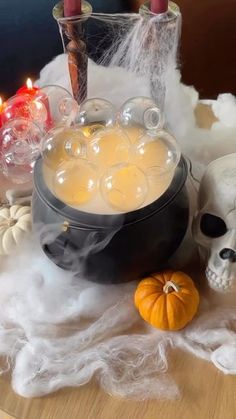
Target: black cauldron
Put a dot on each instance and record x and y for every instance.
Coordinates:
(113, 248)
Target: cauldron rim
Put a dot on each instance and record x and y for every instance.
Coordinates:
(103, 221)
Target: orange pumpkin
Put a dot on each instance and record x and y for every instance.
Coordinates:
(167, 300)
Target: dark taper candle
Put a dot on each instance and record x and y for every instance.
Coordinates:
(72, 8)
(159, 6)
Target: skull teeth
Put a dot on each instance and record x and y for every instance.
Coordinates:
(217, 282)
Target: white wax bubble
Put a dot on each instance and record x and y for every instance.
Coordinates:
(97, 111)
(75, 182)
(109, 147)
(141, 111)
(124, 187)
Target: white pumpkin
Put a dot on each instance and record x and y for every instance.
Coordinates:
(14, 223)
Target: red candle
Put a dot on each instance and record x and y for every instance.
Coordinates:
(72, 8)
(29, 103)
(28, 89)
(159, 6)
(1, 109)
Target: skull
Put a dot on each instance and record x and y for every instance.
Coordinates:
(214, 226)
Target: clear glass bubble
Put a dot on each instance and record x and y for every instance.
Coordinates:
(133, 133)
(66, 106)
(141, 112)
(19, 146)
(61, 144)
(75, 182)
(152, 118)
(62, 108)
(109, 147)
(156, 154)
(17, 174)
(75, 147)
(97, 111)
(39, 113)
(124, 187)
(16, 107)
(49, 106)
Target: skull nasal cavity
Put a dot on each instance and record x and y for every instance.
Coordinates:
(228, 254)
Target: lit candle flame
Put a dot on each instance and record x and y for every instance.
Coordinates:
(1, 103)
(29, 83)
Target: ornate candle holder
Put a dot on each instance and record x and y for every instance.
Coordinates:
(144, 44)
(72, 30)
(161, 44)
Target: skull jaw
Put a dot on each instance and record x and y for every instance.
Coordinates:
(222, 278)
(220, 283)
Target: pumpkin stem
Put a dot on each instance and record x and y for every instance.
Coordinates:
(10, 222)
(171, 286)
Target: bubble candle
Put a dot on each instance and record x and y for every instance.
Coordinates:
(30, 103)
(28, 89)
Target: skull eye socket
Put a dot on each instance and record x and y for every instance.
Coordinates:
(212, 226)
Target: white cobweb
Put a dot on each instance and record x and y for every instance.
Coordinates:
(57, 330)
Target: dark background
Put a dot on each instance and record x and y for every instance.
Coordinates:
(29, 39)
(208, 45)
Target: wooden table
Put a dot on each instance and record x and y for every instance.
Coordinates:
(206, 393)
